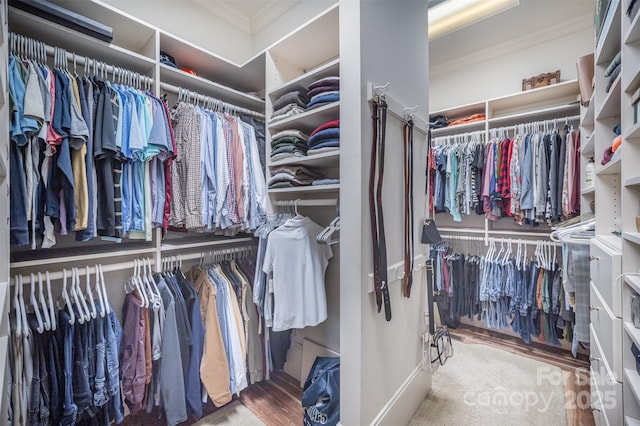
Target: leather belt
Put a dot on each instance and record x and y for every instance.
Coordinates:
(376, 175)
(407, 280)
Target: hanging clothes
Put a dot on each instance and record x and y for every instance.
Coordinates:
(505, 289)
(532, 177)
(217, 178)
(89, 157)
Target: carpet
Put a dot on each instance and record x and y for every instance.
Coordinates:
(234, 413)
(482, 385)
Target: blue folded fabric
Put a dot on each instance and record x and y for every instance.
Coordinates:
(324, 98)
(329, 143)
(323, 135)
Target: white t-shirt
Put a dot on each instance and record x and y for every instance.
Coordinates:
(298, 264)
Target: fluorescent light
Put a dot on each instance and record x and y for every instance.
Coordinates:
(452, 15)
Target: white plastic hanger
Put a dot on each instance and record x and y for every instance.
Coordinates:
(34, 304)
(149, 275)
(16, 307)
(104, 291)
(75, 298)
(89, 293)
(43, 304)
(23, 310)
(52, 306)
(65, 298)
(84, 308)
(103, 310)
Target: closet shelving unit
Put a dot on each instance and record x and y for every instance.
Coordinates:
(609, 381)
(302, 57)
(630, 176)
(136, 46)
(555, 102)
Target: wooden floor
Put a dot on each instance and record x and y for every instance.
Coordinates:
(277, 402)
(575, 370)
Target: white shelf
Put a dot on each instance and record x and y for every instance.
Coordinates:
(633, 237)
(294, 48)
(633, 379)
(633, 281)
(74, 42)
(179, 78)
(588, 147)
(633, 33)
(632, 182)
(630, 421)
(609, 42)
(632, 332)
(245, 78)
(310, 189)
(331, 68)
(589, 114)
(459, 129)
(634, 133)
(632, 85)
(82, 257)
(326, 159)
(588, 191)
(308, 120)
(612, 241)
(611, 168)
(535, 99)
(611, 105)
(165, 247)
(539, 114)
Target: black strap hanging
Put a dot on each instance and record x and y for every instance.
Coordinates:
(376, 175)
(407, 133)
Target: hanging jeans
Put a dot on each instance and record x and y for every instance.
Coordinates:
(70, 410)
(113, 333)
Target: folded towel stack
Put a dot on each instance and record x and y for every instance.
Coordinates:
(288, 143)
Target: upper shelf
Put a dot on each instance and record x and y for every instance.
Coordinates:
(553, 112)
(206, 87)
(560, 94)
(609, 43)
(331, 68)
(633, 30)
(129, 32)
(55, 35)
(245, 78)
(295, 49)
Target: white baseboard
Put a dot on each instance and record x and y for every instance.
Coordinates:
(399, 410)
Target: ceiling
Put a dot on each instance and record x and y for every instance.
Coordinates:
(251, 16)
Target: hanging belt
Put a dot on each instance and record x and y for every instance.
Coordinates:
(376, 174)
(407, 281)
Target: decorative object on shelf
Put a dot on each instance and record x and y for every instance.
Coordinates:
(584, 66)
(541, 80)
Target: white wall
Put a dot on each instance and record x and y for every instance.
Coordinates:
(490, 58)
(380, 42)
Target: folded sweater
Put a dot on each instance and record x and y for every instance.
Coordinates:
(297, 97)
(327, 125)
(325, 81)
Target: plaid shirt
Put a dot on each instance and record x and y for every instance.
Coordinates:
(186, 171)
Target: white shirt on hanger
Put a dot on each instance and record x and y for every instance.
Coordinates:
(298, 264)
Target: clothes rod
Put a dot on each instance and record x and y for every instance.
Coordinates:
(535, 123)
(175, 90)
(58, 275)
(398, 110)
(215, 252)
(307, 203)
(496, 232)
(497, 240)
(74, 59)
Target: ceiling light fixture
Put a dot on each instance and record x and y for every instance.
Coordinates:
(451, 15)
